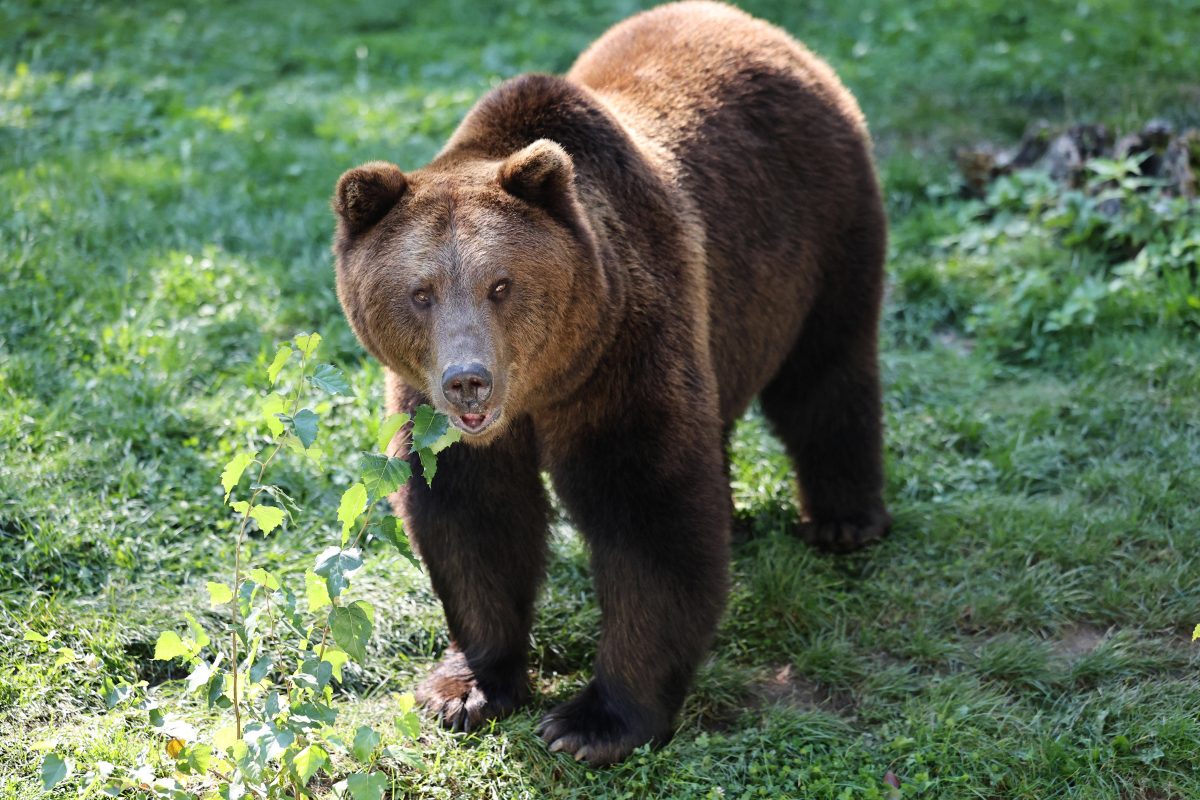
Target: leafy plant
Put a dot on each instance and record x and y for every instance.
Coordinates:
(1035, 264)
(271, 664)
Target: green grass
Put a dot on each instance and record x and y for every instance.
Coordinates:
(164, 176)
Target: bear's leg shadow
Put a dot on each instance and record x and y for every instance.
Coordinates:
(824, 403)
(481, 531)
(656, 517)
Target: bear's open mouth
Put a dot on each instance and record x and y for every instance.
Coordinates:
(475, 423)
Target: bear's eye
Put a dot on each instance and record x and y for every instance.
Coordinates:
(421, 297)
(500, 290)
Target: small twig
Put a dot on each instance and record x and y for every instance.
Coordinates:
(228, 779)
(324, 637)
(363, 528)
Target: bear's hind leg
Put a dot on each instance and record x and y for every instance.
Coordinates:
(824, 403)
(481, 531)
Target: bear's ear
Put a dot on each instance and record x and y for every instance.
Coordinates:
(541, 174)
(365, 194)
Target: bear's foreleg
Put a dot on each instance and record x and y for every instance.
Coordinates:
(656, 517)
(481, 531)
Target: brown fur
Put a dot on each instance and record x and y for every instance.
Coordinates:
(628, 256)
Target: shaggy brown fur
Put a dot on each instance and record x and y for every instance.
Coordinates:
(595, 277)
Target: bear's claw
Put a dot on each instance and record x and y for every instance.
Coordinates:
(590, 729)
(460, 701)
(844, 536)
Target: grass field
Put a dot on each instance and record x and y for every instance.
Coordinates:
(165, 171)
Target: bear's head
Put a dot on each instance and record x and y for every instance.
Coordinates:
(475, 279)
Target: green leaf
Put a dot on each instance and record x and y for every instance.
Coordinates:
(273, 705)
(365, 742)
(264, 578)
(264, 741)
(316, 591)
(367, 609)
(387, 431)
(233, 471)
(194, 759)
(199, 677)
(448, 438)
(329, 378)
(246, 760)
(428, 465)
(169, 646)
(224, 738)
(293, 443)
(272, 408)
(305, 424)
(339, 742)
(408, 725)
(218, 593)
(405, 756)
(308, 761)
(199, 635)
(307, 342)
(315, 673)
(337, 659)
(382, 475)
(34, 636)
(115, 693)
(65, 656)
(366, 786)
(351, 629)
(336, 566)
(354, 503)
(281, 356)
(260, 668)
(269, 518)
(55, 770)
(428, 427)
(214, 692)
(391, 530)
(312, 715)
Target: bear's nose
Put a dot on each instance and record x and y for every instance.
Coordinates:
(467, 386)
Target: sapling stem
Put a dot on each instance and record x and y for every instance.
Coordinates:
(241, 539)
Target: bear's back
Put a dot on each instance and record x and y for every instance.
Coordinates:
(667, 69)
(772, 150)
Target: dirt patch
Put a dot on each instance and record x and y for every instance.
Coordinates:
(784, 687)
(1147, 793)
(1076, 641)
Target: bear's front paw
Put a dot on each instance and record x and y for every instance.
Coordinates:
(596, 728)
(461, 700)
(845, 535)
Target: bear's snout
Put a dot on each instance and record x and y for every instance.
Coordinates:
(467, 387)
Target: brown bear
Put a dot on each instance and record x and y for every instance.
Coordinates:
(594, 278)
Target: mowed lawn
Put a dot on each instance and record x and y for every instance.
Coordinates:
(1025, 632)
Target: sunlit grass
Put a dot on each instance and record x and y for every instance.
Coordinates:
(164, 182)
